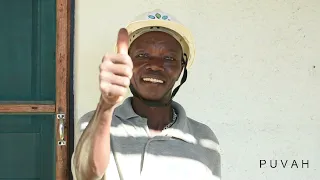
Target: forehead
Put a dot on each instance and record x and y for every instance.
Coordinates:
(156, 38)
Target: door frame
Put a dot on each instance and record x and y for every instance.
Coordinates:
(64, 84)
(62, 81)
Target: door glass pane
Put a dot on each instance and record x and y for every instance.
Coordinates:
(27, 48)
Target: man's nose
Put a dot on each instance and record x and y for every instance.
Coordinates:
(156, 64)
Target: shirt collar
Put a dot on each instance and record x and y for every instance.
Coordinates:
(180, 129)
(125, 110)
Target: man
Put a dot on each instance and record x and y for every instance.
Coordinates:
(148, 136)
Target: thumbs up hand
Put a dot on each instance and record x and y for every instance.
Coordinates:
(116, 72)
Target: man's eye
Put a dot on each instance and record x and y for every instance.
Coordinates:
(142, 55)
(169, 58)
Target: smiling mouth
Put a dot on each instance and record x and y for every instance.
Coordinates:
(153, 80)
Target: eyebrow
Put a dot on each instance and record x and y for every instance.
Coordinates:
(138, 47)
(143, 49)
(173, 50)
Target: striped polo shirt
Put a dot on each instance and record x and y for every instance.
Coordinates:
(186, 150)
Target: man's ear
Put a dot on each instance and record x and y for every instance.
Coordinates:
(183, 65)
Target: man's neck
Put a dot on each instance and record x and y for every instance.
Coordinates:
(158, 117)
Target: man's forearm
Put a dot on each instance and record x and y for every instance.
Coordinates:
(92, 152)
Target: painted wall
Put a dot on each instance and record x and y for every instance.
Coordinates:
(255, 81)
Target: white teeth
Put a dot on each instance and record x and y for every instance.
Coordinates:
(153, 80)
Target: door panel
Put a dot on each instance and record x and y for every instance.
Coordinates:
(27, 146)
(27, 48)
(28, 89)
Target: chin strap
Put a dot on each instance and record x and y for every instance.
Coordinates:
(158, 103)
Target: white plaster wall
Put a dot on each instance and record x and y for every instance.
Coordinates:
(255, 81)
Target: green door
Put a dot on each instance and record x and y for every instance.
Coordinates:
(27, 89)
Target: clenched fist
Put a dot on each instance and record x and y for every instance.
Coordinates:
(116, 71)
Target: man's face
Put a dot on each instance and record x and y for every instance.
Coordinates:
(156, 58)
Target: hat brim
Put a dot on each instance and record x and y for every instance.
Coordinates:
(178, 28)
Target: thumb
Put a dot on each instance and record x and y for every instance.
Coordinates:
(123, 41)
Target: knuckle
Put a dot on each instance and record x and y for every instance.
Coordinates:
(103, 65)
(103, 75)
(103, 86)
(127, 70)
(126, 82)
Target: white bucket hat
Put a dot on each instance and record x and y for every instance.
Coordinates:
(158, 20)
